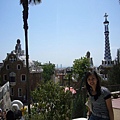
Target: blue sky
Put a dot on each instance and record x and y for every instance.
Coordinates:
(61, 31)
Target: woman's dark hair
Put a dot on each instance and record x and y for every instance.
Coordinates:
(98, 86)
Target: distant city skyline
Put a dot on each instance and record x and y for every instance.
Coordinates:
(61, 31)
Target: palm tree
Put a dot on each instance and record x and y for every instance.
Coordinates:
(25, 4)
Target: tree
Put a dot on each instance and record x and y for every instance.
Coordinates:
(80, 66)
(25, 4)
(48, 71)
(114, 75)
(53, 103)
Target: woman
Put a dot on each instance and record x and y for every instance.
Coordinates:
(100, 98)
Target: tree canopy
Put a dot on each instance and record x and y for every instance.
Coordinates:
(48, 71)
(80, 66)
(31, 1)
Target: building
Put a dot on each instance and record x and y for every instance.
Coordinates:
(107, 63)
(13, 69)
(118, 55)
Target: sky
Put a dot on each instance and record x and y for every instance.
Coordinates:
(61, 31)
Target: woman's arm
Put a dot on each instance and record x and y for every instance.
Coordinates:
(88, 113)
(88, 104)
(110, 109)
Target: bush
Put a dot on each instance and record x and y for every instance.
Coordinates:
(79, 108)
(51, 102)
(115, 96)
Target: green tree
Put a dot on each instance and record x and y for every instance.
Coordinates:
(25, 4)
(114, 75)
(48, 71)
(53, 103)
(80, 66)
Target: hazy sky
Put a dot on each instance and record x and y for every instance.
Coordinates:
(61, 31)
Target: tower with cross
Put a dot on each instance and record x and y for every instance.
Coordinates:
(107, 55)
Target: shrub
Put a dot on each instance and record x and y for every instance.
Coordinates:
(51, 102)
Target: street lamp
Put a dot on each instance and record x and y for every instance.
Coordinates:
(69, 71)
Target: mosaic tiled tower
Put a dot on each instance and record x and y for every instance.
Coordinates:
(107, 56)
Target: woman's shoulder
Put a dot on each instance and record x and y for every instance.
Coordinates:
(105, 91)
(104, 88)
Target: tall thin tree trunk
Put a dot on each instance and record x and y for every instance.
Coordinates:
(25, 26)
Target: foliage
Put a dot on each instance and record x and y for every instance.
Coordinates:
(80, 66)
(78, 105)
(104, 83)
(31, 1)
(114, 75)
(115, 96)
(48, 71)
(52, 102)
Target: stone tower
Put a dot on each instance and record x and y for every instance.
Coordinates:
(107, 56)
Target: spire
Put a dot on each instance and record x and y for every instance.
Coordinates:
(18, 49)
(106, 23)
(107, 55)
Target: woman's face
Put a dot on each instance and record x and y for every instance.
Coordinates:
(92, 81)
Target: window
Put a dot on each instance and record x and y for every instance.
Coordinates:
(18, 67)
(7, 67)
(12, 91)
(19, 92)
(12, 77)
(5, 77)
(23, 78)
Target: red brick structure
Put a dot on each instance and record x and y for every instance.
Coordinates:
(13, 69)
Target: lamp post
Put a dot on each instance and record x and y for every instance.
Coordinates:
(69, 70)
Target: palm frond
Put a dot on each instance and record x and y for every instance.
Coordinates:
(35, 1)
(21, 1)
(31, 1)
